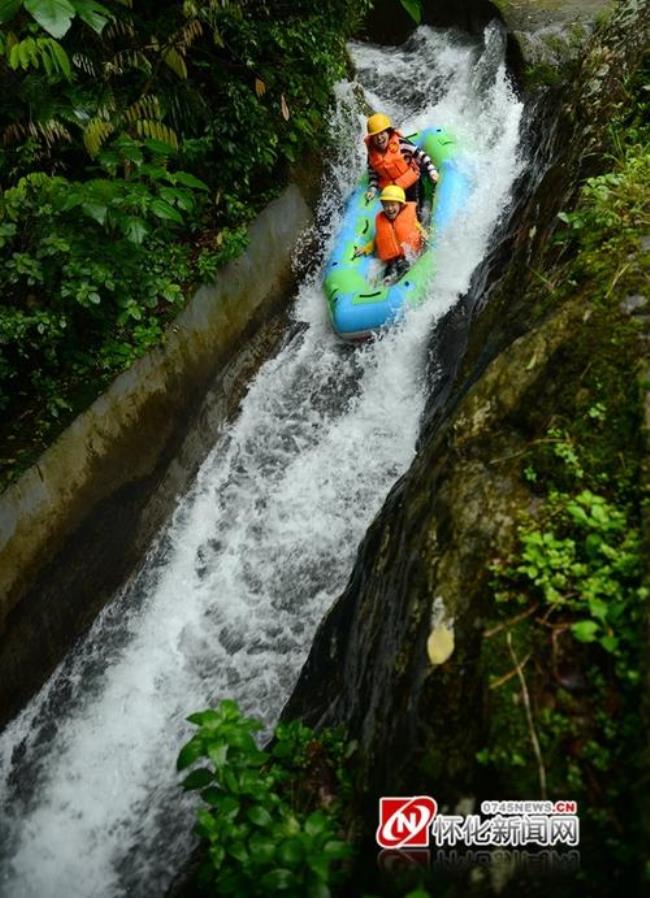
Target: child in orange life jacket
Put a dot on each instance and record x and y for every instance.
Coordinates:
(392, 159)
(398, 232)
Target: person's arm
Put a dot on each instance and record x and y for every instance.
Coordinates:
(424, 162)
(373, 182)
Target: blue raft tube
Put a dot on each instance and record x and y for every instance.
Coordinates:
(358, 304)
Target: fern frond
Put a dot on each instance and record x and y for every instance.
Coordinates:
(146, 128)
(85, 63)
(95, 134)
(188, 34)
(48, 132)
(107, 108)
(122, 27)
(174, 59)
(40, 52)
(53, 131)
(125, 60)
(147, 107)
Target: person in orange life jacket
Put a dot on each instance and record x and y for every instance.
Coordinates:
(397, 233)
(393, 159)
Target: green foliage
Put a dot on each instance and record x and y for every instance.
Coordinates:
(614, 207)
(264, 834)
(414, 9)
(137, 143)
(572, 596)
(584, 565)
(102, 248)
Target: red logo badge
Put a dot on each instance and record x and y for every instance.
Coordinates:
(405, 822)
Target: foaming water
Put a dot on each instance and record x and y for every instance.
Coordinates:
(227, 601)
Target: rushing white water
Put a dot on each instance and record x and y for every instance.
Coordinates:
(227, 602)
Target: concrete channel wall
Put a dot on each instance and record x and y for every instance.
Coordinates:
(75, 524)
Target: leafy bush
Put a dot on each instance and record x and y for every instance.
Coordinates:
(138, 141)
(565, 645)
(271, 819)
(584, 564)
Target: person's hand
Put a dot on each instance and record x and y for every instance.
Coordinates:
(358, 251)
(371, 194)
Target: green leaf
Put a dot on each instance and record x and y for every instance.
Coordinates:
(61, 58)
(609, 643)
(585, 630)
(189, 180)
(259, 815)
(316, 823)
(95, 211)
(238, 851)
(226, 805)
(184, 199)
(218, 754)
(217, 854)
(93, 14)
(159, 147)
(163, 210)
(198, 779)
(8, 9)
(598, 608)
(205, 718)
(336, 849)
(212, 796)
(291, 852)
(136, 230)
(155, 172)
(55, 16)
(414, 9)
(176, 62)
(279, 879)
(190, 753)
(262, 847)
(230, 709)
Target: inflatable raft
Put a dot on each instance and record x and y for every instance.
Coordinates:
(358, 300)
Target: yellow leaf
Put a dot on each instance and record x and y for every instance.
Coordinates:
(260, 87)
(157, 131)
(95, 134)
(284, 108)
(175, 61)
(440, 644)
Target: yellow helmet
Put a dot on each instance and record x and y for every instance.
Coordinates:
(378, 122)
(393, 193)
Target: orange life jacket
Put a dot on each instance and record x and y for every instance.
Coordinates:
(394, 237)
(391, 166)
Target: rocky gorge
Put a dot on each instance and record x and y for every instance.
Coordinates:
(545, 364)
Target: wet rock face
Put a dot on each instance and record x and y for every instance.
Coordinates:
(380, 663)
(547, 32)
(552, 31)
(389, 23)
(564, 135)
(397, 659)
